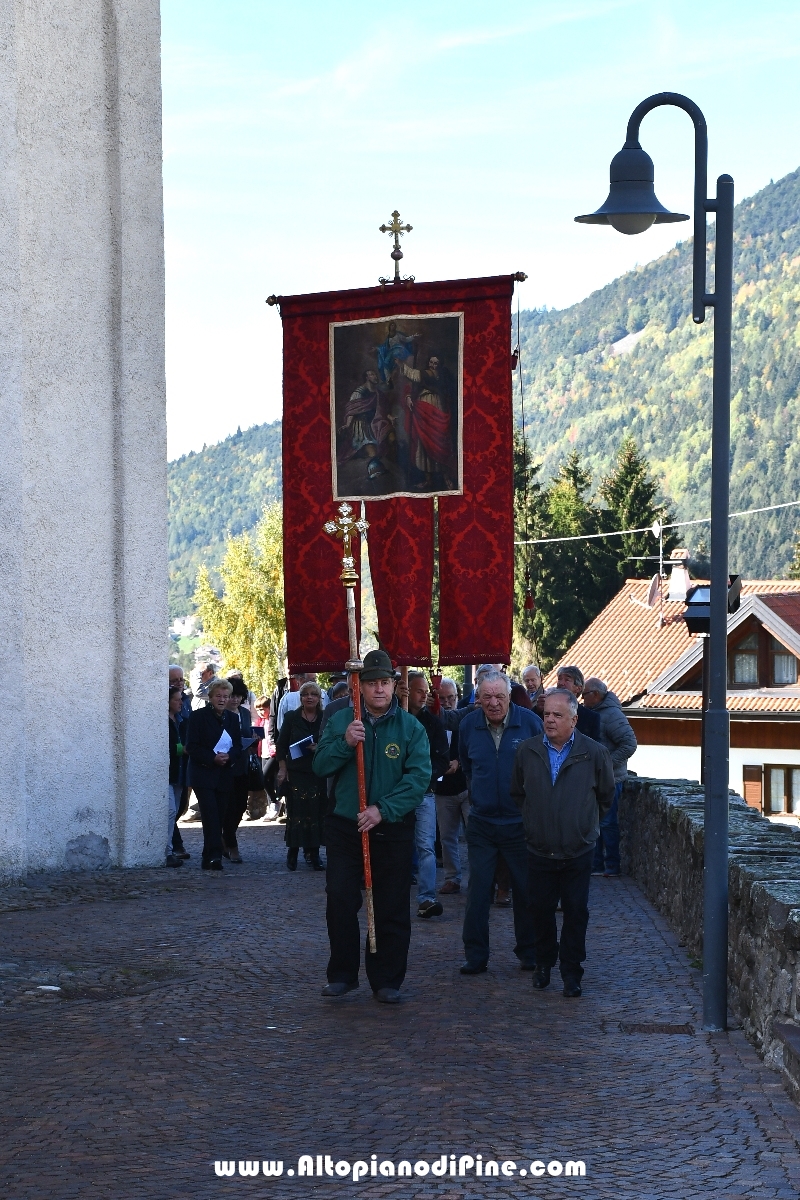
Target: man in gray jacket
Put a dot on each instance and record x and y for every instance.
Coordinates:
(619, 740)
(562, 783)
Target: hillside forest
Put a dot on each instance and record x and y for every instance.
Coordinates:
(623, 373)
(629, 360)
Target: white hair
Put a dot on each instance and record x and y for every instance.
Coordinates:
(593, 684)
(570, 697)
(484, 669)
(532, 667)
(493, 677)
(447, 679)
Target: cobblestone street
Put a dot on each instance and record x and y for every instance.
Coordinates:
(189, 1028)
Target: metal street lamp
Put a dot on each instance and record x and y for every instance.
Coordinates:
(632, 207)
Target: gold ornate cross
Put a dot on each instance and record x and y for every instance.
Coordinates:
(346, 527)
(397, 229)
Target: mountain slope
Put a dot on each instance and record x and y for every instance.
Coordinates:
(582, 395)
(585, 391)
(213, 492)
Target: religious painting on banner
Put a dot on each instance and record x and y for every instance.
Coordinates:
(397, 406)
(397, 396)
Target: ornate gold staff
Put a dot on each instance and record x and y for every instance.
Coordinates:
(345, 528)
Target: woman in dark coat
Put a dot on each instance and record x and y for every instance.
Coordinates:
(238, 704)
(210, 770)
(307, 795)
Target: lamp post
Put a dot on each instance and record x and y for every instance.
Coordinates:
(632, 207)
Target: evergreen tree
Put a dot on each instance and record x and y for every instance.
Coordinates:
(794, 565)
(573, 580)
(630, 493)
(247, 622)
(528, 519)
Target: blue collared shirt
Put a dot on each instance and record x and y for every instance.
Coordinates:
(557, 757)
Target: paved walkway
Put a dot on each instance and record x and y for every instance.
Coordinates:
(189, 1029)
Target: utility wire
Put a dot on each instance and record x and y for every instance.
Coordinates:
(583, 537)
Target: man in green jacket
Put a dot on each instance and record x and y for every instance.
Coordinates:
(397, 761)
(562, 782)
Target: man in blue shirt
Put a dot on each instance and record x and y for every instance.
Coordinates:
(562, 783)
(488, 738)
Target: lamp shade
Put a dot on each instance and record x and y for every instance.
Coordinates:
(632, 205)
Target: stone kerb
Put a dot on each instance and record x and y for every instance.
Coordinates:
(661, 825)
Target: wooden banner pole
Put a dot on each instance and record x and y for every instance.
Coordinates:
(346, 528)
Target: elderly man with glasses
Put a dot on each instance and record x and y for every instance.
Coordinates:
(488, 738)
(532, 681)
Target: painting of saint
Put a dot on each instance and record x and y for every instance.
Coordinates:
(366, 426)
(396, 406)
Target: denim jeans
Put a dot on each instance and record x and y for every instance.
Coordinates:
(485, 840)
(567, 880)
(608, 841)
(425, 841)
(450, 811)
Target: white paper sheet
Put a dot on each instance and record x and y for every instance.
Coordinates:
(224, 744)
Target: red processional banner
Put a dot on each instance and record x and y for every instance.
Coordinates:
(393, 396)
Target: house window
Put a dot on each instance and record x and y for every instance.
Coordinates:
(743, 663)
(782, 791)
(784, 664)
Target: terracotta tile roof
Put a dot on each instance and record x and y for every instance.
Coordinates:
(627, 648)
(759, 700)
(787, 607)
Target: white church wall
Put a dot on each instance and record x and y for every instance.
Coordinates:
(83, 473)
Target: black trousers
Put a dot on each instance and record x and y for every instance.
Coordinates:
(270, 786)
(567, 880)
(234, 810)
(177, 840)
(391, 847)
(212, 802)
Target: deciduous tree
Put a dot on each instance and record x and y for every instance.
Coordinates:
(247, 622)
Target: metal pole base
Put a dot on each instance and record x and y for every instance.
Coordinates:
(715, 872)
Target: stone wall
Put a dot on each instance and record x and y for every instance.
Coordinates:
(83, 535)
(661, 823)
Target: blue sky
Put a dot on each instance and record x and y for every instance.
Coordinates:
(291, 132)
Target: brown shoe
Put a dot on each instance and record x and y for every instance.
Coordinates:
(449, 888)
(234, 855)
(503, 898)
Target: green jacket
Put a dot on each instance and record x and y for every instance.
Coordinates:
(397, 763)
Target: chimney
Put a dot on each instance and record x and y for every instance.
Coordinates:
(679, 580)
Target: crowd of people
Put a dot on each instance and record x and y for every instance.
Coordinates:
(528, 777)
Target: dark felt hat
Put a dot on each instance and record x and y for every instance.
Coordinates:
(377, 665)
